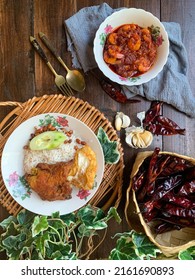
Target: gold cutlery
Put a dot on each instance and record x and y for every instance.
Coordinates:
(60, 81)
(74, 78)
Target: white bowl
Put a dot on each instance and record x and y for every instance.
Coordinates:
(143, 19)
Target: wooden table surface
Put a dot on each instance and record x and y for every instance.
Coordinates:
(24, 75)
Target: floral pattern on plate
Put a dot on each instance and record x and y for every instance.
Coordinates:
(20, 186)
(16, 183)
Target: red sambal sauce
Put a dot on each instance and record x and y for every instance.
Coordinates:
(129, 50)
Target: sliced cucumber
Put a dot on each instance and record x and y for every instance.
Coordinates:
(47, 140)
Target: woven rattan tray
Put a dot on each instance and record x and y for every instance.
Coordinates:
(110, 190)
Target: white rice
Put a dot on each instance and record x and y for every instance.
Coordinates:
(63, 153)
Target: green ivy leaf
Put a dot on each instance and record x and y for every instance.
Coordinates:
(134, 246)
(41, 243)
(112, 213)
(68, 219)
(11, 242)
(25, 217)
(111, 153)
(124, 250)
(39, 225)
(26, 251)
(188, 254)
(6, 222)
(60, 251)
(92, 218)
(12, 229)
(55, 215)
(84, 231)
(143, 246)
(14, 245)
(57, 224)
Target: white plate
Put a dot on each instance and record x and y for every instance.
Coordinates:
(12, 166)
(127, 16)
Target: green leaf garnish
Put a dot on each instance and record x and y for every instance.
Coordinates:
(111, 153)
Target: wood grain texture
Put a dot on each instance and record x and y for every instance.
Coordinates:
(23, 74)
(17, 81)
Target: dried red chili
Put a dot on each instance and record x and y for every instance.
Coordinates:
(149, 186)
(115, 93)
(179, 200)
(164, 126)
(175, 164)
(165, 191)
(158, 124)
(166, 186)
(187, 188)
(151, 215)
(139, 178)
(172, 210)
(172, 224)
(156, 166)
(152, 112)
(169, 125)
(149, 206)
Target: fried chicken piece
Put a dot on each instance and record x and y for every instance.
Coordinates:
(50, 182)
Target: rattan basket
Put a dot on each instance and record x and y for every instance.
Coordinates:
(110, 190)
(170, 243)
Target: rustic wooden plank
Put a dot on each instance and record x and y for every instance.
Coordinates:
(17, 79)
(48, 18)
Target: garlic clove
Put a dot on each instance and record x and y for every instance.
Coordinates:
(128, 140)
(147, 138)
(118, 123)
(121, 121)
(125, 121)
(135, 141)
(141, 143)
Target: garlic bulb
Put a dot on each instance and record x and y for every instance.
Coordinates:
(138, 137)
(121, 121)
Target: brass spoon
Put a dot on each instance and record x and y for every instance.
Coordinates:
(74, 78)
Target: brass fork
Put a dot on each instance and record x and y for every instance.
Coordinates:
(60, 81)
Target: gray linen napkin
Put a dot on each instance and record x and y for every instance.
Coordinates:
(170, 86)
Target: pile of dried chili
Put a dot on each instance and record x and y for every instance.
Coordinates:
(159, 124)
(165, 191)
